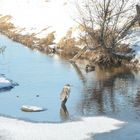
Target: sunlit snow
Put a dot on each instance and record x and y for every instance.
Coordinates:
(35, 15)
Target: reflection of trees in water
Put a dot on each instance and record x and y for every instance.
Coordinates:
(79, 73)
(110, 91)
(137, 102)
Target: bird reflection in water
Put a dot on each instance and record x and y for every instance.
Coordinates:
(64, 114)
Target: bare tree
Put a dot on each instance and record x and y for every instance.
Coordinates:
(105, 22)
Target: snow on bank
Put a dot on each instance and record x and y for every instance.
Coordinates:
(133, 39)
(78, 130)
(6, 84)
(36, 15)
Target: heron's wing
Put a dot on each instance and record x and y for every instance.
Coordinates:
(67, 93)
(64, 94)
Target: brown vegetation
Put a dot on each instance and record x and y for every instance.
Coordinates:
(68, 45)
(30, 40)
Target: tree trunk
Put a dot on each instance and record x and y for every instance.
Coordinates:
(138, 13)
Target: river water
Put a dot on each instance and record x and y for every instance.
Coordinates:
(113, 92)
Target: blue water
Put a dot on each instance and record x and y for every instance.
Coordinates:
(36, 74)
(113, 93)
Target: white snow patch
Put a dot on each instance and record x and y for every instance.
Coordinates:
(36, 15)
(3, 80)
(79, 130)
(133, 39)
(4, 83)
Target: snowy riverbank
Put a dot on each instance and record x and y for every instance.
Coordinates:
(56, 22)
(133, 41)
(85, 128)
(39, 17)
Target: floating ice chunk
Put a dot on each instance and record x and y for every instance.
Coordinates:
(6, 84)
(28, 108)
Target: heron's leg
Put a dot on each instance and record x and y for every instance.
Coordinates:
(64, 102)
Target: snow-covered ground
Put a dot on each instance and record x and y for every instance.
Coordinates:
(11, 129)
(39, 16)
(133, 40)
(43, 16)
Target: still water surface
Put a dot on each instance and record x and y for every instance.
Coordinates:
(114, 93)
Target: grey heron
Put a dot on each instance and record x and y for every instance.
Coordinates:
(65, 94)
